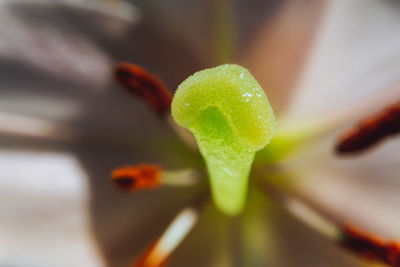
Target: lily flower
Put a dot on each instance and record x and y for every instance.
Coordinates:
(323, 192)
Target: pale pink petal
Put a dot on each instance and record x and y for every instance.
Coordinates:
(44, 204)
(356, 55)
(363, 190)
(62, 48)
(277, 52)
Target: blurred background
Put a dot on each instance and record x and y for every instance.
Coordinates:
(65, 124)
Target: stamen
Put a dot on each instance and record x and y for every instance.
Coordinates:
(371, 131)
(143, 84)
(159, 252)
(303, 211)
(148, 176)
(170, 239)
(312, 218)
(183, 177)
(363, 244)
(370, 246)
(149, 87)
(133, 178)
(142, 261)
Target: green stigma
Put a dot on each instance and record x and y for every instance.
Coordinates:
(230, 116)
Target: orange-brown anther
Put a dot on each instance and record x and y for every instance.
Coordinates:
(133, 178)
(143, 84)
(371, 131)
(143, 261)
(371, 247)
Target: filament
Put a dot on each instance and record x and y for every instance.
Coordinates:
(172, 237)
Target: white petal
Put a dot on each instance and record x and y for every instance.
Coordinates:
(277, 53)
(363, 190)
(44, 219)
(52, 37)
(54, 57)
(356, 55)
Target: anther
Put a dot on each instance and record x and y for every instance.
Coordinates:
(371, 131)
(145, 85)
(369, 246)
(149, 252)
(148, 176)
(133, 178)
(150, 88)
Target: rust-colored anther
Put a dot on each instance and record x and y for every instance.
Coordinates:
(370, 131)
(370, 246)
(143, 261)
(143, 84)
(133, 178)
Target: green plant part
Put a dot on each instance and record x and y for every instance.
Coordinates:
(230, 116)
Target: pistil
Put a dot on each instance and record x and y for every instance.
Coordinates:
(230, 116)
